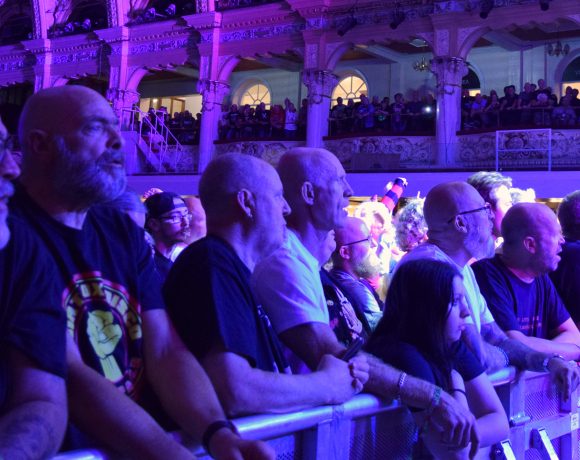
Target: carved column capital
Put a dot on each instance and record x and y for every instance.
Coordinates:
(449, 71)
(320, 84)
(212, 93)
(121, 98)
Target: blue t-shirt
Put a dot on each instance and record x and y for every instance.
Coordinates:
(31, 319)
(535, 309)
(566, 278)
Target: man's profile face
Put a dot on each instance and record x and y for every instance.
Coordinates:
(331, 195)
(271, 209)
(478, 241)
(503, 201)
(88, 159)
(549, 242)
(8, 171)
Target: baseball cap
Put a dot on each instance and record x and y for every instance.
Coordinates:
(161, 203)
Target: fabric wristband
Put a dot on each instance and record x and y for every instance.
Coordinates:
(213, 428)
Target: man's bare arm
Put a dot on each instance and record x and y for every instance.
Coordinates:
(185, 390)
(246, 390)
(114, 420)
(34, 419)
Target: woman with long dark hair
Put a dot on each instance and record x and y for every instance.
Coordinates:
(420, 334)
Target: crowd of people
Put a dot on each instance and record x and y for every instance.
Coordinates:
(131, 319)
(534, 106)
(383, 116)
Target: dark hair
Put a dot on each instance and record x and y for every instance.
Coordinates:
(486, 182)
(569, 215)
(416, 310)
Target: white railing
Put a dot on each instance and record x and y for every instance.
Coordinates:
(367, 428)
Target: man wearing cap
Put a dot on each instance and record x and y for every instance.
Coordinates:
(168, 222)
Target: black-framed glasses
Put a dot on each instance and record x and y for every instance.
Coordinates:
(6, 146)
(177, 218)
(368, 239)
(486, 208)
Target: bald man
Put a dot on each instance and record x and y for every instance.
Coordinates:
(32, 330)
(288, 285)
(209, 297)
(355, 260)
(122, 350)
(460, 229)
(517, 287)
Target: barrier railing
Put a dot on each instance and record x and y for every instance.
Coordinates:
(541, 426)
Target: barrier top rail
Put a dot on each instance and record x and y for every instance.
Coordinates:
(269, 426)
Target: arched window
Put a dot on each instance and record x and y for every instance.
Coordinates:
(350, 87)
(571, 75)
(254, 94)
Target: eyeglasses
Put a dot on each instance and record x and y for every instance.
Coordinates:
(177, 218)
(368, 239)
(6, 146)
(486, 208)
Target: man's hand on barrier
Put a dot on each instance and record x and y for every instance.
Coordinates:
(566, 376)
(337, 377)
(359, 370)
(456, 423)
(226, 445)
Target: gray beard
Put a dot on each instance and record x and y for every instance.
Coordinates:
(84, 184)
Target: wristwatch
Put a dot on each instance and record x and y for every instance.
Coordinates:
(547, 360)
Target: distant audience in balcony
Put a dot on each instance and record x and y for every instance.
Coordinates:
(534, 106)
(381, 116)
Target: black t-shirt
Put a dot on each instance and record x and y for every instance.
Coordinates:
(535, 309)
(566, 278)
(109, 279)
(31, 319)
(210, 301)
(346, 319)
(408, 358)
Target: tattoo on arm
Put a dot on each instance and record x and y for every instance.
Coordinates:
(520, 355)
(26, 436)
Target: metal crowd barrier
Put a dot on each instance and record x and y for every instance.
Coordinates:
(542, 426)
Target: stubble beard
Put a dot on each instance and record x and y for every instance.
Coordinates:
(83, 184)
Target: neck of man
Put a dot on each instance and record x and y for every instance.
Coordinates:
(455, 252)
(514, 265)
(245, 247)
(59, 209)
(312, 238)
(164, 248)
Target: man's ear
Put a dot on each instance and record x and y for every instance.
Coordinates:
(530, 244)
(246, 202)
(344, 252)
(38, 141)
(460, 224)
(307, 192)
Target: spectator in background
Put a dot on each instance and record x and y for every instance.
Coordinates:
(398, 112)
(420, 334)
(262, 118)
(567, 276)
(522, 196)
(353, 262)
(410, 225)
(303, 119)
(290, 121)
(365, 115)
(277, 121)
(337, 117)
(494, 188)
(168, 221)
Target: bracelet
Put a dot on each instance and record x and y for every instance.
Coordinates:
(435, 399)
(458, 390)
(400, 383)
(213, 428)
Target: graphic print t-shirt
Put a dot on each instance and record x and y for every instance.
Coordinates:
(107, 280)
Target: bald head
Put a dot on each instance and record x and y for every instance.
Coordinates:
(526, 219)
(446, 200)
(353, 229)
(224, 177)
(316, 188)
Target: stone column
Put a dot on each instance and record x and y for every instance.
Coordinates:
(320, 84)
(449, 71)
(212, 93)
